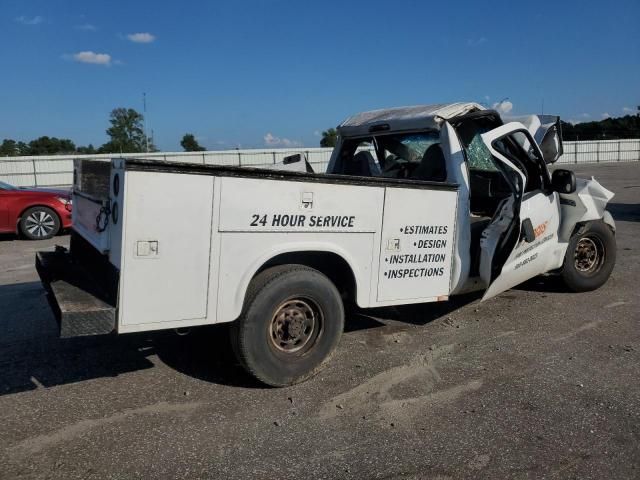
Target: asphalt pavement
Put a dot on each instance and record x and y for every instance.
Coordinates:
(535, 383)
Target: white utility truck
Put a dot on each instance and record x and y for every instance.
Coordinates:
(418, 203)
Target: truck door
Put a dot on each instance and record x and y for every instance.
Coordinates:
(520, 242)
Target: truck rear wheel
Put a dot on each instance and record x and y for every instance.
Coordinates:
(590, 257)
(291, 322)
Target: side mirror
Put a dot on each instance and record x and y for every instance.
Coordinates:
(551, 144)
(563, 181)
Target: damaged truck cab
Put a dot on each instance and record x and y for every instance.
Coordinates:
(417, 204)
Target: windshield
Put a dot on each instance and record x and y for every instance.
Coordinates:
(6, 186)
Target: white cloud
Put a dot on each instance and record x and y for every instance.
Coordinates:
(87, 27)
(487, 98)
(476, 42)
(585, 115)
(273, 141)
(142, 37)
(503, 107)
(627, 109)
(92, 57)
(37, 20)
(317, 133)
(606, 115)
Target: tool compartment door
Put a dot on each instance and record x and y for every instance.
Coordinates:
(166, 250)
(417, 245)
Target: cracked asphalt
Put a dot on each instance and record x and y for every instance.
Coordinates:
(535, 383)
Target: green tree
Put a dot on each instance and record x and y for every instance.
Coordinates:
(329, 138)
(23, 149)
(190, 144)
(51, 146)
(126, 133)
(9, 148)
(609, 128)
(89, 149)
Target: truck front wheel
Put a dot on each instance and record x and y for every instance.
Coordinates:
(291, 322)
(590, 257)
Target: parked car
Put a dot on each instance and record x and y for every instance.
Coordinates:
(36, 213)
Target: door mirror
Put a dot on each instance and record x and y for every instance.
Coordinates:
(551, 144)
(547, 132)
(563, 181)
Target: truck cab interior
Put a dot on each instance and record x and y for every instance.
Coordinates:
(410, 155)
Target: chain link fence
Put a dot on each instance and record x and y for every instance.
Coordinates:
(57, 170)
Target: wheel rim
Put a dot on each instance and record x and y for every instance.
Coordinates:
(295, 325)
(40, 223)
(589, 254)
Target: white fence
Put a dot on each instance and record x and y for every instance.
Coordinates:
(54, 170)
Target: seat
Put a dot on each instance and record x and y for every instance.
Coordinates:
(477, 224)
(362, 165)
(432, 166)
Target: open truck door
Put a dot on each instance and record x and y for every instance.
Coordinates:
(520, 242)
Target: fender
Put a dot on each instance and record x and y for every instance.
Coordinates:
(587, 203)
(298, 247)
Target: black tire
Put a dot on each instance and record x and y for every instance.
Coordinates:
(590, 257)
(39, 223)
(290, 325)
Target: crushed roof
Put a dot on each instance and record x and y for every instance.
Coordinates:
(416, 116)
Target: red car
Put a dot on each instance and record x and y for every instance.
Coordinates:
(36, 213)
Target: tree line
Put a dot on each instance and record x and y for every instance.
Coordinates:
(127, 135)
(606, 129)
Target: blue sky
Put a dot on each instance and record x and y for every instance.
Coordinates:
(275, 73)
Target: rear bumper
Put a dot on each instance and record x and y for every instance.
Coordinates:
(78, 303)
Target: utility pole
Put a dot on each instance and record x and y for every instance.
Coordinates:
(144, 119)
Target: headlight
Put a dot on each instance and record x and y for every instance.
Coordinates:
(63, 200)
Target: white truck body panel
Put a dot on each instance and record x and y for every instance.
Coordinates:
(84, 221)
(165, 263)
(195, 268)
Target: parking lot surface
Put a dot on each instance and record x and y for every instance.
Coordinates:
(535, 383)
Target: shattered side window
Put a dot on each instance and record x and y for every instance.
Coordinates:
(479, 156)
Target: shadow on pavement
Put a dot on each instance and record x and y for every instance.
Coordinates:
(415, 314)
(625, 212)
(32, 355)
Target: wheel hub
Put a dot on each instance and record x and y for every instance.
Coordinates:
(588, 254)
(293, 325)
(40, 224)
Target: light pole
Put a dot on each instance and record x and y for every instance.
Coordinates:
(144, 120)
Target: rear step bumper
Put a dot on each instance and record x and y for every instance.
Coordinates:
(76, 300)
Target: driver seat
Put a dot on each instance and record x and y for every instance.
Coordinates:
(363, 165)
(433, 165)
